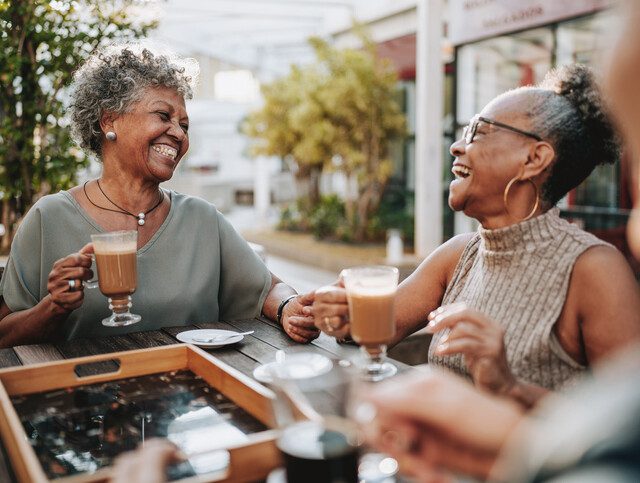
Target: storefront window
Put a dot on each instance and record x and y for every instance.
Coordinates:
(587, 41)
(490, 67)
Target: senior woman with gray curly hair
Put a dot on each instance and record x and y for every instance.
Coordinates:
(129, 111)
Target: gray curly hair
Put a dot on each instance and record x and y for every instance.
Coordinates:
(568, 110)
(116, 77)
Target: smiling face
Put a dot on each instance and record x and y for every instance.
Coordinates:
(152, 135)
(483, 168)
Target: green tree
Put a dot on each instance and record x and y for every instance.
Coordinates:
(292, 125)
(340, 113)
(360, 99)
(41, 43)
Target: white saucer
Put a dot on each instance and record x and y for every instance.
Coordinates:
(189, 337)
(301, 365)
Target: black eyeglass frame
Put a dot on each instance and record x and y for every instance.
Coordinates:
(470, 130)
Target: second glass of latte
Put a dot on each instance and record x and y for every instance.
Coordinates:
(371, 292)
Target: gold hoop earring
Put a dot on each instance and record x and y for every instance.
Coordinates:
(506, 198)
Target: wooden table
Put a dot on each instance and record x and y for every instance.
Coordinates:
(258, 348)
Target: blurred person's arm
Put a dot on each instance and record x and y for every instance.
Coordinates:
(147, 464)
(432, 421)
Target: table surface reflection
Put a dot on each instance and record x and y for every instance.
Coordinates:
(255, 349)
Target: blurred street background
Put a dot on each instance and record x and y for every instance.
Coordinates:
(282, 137)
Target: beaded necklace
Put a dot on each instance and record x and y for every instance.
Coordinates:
(140, 216)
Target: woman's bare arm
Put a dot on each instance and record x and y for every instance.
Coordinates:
(607, 303)
(423, 290)
(31, 326)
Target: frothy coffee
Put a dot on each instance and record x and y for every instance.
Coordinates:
(117, 268)
(371, 315)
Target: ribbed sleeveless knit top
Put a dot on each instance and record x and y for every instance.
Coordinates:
(519, 276)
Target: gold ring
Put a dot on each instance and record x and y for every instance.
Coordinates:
(327, 326)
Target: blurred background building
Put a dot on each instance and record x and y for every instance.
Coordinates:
(485, 48)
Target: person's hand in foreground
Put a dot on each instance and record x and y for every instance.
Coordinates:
(297, 319)
(147, 464)
(331, 312)
(434, 422)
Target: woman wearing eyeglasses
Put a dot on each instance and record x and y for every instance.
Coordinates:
(528, 302)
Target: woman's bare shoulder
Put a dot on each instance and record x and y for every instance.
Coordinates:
(444, 259)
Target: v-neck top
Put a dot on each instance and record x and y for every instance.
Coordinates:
(196, 267)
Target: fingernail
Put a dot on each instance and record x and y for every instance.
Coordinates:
(442, 347)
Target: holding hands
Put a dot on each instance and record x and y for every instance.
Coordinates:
(331, 311)
(297, 319)
(65, 279)
(479, 339)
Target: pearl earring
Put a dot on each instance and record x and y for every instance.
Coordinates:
(111, 136)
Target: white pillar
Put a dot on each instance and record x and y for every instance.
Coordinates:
(262, 190)
(429, 111)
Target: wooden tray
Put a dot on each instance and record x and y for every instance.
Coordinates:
(248, 462)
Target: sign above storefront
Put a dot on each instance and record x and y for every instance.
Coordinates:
(472, 20)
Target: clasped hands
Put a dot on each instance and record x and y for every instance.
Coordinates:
(297, 319)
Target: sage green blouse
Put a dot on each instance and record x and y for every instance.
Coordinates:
(196, 268)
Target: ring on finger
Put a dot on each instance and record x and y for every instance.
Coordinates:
(72, 285)
(327, 326)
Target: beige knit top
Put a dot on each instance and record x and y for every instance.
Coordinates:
(519, 276)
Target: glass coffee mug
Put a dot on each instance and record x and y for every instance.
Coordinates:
(318, 443)
(115, 254)
(371, 292)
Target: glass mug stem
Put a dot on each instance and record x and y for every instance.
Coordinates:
(121, 315)
(376, 367)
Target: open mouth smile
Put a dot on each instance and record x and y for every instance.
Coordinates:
(461, 171)
(165, 150)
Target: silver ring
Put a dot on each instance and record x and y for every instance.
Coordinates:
(72, 285)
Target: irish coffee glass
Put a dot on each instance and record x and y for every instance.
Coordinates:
(115, 254)
(371, 292)
(317, 441)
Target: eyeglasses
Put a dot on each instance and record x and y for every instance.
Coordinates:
(469, 131)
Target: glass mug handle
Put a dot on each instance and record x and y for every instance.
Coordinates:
(91, 283)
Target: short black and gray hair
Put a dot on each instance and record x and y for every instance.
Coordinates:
(568, 110)
(114, 78)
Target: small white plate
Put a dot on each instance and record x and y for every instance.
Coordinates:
(189, 337)
(301, 365)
